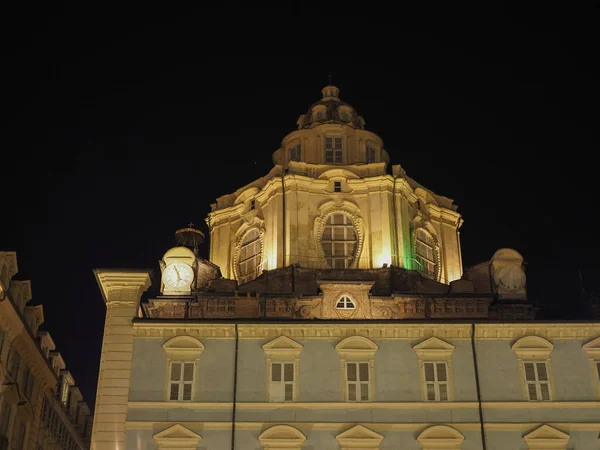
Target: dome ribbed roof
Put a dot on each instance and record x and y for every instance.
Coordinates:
(330, 109)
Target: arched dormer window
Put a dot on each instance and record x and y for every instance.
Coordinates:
(345, 302)
(250, 256)
(339, 241)
(425, 253)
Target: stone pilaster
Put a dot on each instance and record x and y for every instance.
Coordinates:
(121, 290)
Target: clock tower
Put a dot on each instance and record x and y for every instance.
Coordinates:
(182, 270)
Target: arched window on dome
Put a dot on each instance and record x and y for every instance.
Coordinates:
(250, 258)
(294, 152)
(334, 149)
(339, 241)
(425, 253)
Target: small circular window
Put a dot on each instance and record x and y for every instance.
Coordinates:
(345, 302)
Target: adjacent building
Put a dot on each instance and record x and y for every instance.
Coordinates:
(41, 408)
(335, 313)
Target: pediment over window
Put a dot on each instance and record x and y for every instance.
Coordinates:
(177, 437)
(440, 437)
(183, 347)
(282, 436)
(357, 347)
(434, 348)
(592, 349)
(283, 347)
(546, 437)
(359, 437)
(533, 347)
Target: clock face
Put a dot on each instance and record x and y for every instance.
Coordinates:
(178, 275)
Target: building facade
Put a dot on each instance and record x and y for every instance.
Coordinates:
(41, 408)
(335, 313)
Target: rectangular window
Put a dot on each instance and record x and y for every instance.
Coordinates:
(282, 381)
(436, 381)
(295, 154)
(28, 380)
(2, 334)
(536, 378)
(13, 369)
(370, 154)
(64, 396)
(4, 419)
(337, 186)
(357, 382)
(333, 150)
(181, 381)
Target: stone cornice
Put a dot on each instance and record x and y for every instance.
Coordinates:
(122, 286)
(303, 330)
(514, 331)
(372, 330)
(333, 426)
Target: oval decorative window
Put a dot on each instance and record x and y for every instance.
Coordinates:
(250, 258)
(425, 253)
(345, 302)
(339, 241)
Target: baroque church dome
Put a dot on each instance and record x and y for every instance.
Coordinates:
(330, 109)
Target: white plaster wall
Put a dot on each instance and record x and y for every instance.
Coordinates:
(211, 439)
(571, 371)
(499, 376)
(215, 377)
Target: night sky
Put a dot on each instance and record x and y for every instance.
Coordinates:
(123, 126)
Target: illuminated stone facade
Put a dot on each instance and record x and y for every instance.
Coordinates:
(41, 408)
(335, 313)
(332, 168)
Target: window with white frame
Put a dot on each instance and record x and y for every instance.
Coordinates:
(295, 154)
(535, 365)
(250, 258)
(181, 380)
(592, 349)
(345, 302)
(282, 382)
(536, 378)
(357, 357)
(182, 362)
(436, 380)
(283, 360)
(339, 241)
(358, 386)
(333, 150)
(435, 369)
(425, 253)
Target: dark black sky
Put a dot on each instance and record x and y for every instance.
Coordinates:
(122, 126)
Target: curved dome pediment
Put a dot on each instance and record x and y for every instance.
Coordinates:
(246, 194)
(332, 173)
